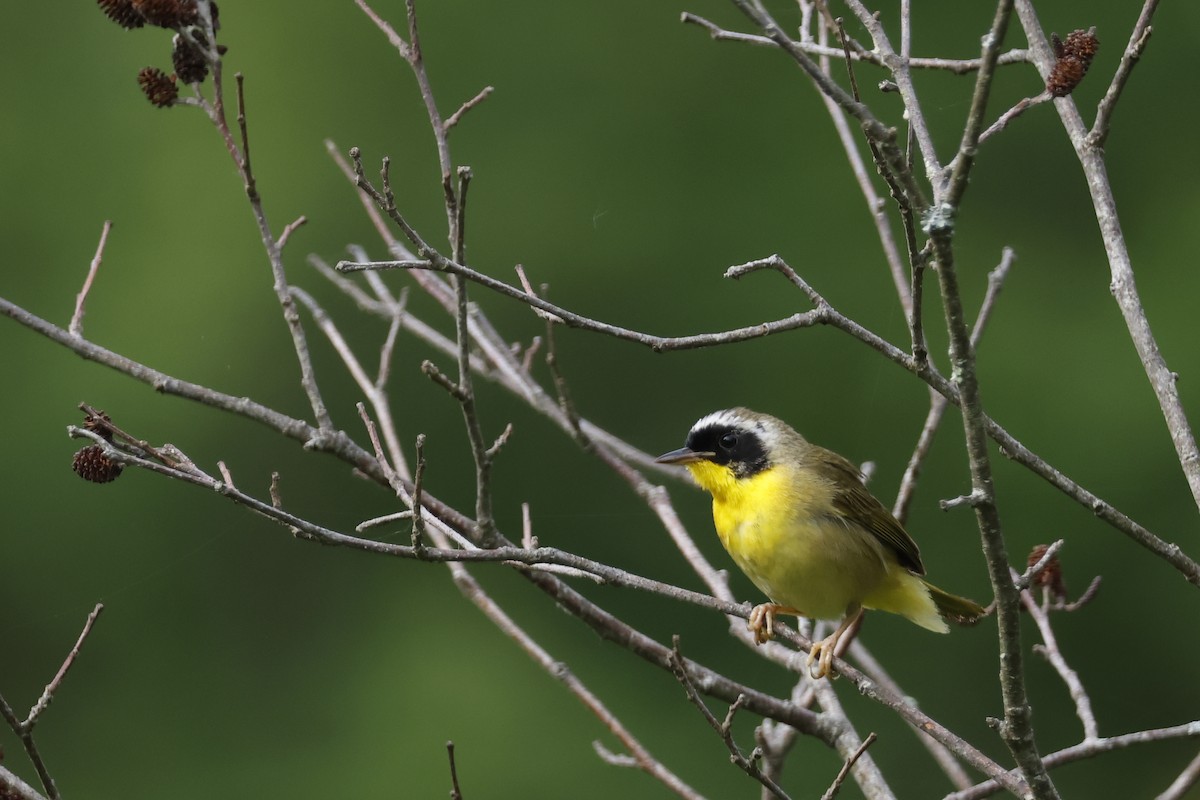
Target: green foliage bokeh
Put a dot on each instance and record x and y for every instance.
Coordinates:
(626, 160)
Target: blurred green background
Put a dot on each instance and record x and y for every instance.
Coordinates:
(626, 160)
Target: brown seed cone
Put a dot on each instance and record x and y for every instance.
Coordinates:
(189, 62)
(157, 86)
(1082, 45)
(91, 464)
(100, 424)
(1074, 57)
(168, 13)
(122, 12)
(1065, 76)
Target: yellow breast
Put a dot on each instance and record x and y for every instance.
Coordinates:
(779, 528)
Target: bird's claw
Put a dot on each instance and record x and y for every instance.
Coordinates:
(762, 620)
(822, 653)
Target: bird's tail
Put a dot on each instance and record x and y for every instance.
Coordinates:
(953, 608)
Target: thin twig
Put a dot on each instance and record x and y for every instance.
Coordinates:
(289, 229)
(274, 492)
(1139, 37)
(1019, 108)
(455, 791)
(389, 344)
(51, 688)
(386, 519)
(833, 790)
(76, 326)
(418, 519)
(457, 116)
(1185, 781)
(226, 475)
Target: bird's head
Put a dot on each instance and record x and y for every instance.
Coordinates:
(733, 445)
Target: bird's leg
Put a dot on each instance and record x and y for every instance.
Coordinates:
(822, 652)
(762, 620)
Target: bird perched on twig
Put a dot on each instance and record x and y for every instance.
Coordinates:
(797, 519)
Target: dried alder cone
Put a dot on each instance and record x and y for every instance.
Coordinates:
(123, 13)
(1074, 57)
(190, 64)
(100, 424)
(159, 88)
(91, 464)
(131, 14)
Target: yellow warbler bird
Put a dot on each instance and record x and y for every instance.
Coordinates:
(799, 522)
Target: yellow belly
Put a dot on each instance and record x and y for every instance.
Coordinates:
(817, 567)
(772, 526)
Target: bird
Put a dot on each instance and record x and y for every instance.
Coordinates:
(799, 522)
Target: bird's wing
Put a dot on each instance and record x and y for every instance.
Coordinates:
(856, 505)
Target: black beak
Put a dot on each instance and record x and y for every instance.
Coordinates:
(684, 455)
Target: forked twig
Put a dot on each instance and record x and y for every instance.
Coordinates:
(23, 728)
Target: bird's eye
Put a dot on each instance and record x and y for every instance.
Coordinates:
(729, 441)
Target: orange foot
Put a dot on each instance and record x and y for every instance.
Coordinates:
(762, 620)
(822, 652)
